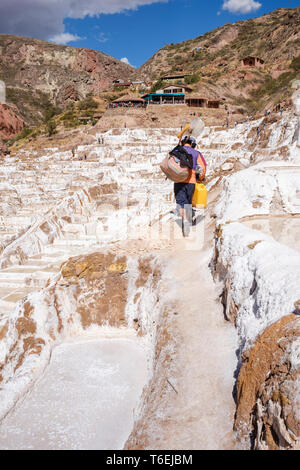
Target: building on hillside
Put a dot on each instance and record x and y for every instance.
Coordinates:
(172, 94)
(176, 89)
(250, 61)
(196, 101)
(213, 104)
(123, 84)
(175, 78)
(128, 101)
(164, 98)
(199, 101)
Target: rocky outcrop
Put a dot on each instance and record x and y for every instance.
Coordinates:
(10, 123)
(99, 284)
(268, 388)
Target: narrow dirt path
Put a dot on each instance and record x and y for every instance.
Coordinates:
(203, 408)
(195, 408)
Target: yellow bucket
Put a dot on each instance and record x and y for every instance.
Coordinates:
(200, 196)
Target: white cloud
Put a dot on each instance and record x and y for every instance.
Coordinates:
(102, 37)
(126, 61)
(65, 38)
(43, 19)
(241, 6)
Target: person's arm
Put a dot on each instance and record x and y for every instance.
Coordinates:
(200, 171)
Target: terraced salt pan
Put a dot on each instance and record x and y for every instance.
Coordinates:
(85, 399)
(284, 229)
(260, 190)
(264, 278)
(133, 153)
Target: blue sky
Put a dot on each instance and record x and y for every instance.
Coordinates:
(131, 29)
(137, 35)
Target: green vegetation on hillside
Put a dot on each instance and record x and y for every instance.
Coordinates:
(192, 79)
(24, 133)
(54, 121)
(51, 128)
(276, 89)
(34, 107)
(295, 64)
(158, 85)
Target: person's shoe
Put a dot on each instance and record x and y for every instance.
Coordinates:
(185, 229)
(194, 217)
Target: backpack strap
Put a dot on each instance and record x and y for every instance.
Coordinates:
(202, 158)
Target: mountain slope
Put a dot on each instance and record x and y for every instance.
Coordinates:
(215, 59)
(39, 74)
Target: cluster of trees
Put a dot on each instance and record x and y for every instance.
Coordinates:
(69, 117)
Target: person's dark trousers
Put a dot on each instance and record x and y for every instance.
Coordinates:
(184, 197)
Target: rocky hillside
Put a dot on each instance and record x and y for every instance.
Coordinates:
(41, 75)
(214, 60)
(10, 123)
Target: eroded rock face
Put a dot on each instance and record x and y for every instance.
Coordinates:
(268, 388)
(10, 123)
(100, 283)
(230, 308)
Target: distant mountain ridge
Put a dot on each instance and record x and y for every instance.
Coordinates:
(37, 73)
(40, 75)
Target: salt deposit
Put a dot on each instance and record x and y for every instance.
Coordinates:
(55, 207)
(85, 399)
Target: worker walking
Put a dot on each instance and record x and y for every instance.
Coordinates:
(184, 191)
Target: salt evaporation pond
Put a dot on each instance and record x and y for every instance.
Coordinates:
(85, 399)
(284, 229)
